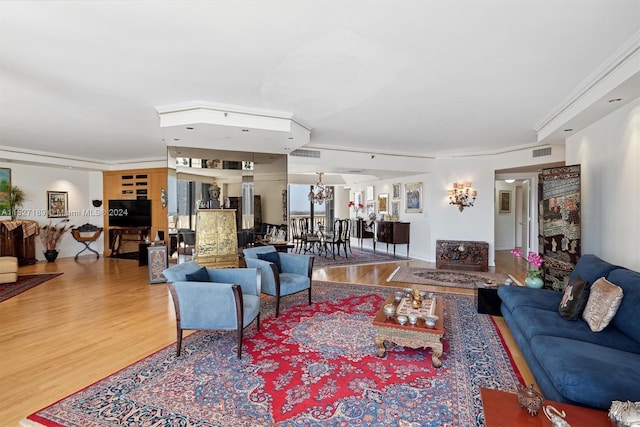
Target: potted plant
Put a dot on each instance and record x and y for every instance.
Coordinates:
(50, 235)
(16, 200)
(534, 273)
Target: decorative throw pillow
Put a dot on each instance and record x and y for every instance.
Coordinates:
(200, 275)
(604, 300)
(574, 300)
(272, 257)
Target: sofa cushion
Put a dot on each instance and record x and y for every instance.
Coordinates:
(518, 296)
(591, 268)
(588, 373)
(272, 257)
(535, 321)
(574, 299)
(603, 303)
(201, 275)
(627, 317)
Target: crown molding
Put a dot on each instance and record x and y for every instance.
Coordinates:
(618, 59)
(43, 158)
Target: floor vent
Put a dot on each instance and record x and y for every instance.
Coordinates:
(541, 152)
(306, 153)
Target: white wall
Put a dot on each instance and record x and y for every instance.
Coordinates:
(609, 154)
(82, 187)
(441, 221)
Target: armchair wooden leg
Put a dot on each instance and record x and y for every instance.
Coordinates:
(237, 294)
(309, 295)
(179, 342)
(240, 342)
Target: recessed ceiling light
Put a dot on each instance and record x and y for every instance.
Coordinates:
(290, 137)
(176, 139)
(245, 130)
(568, 130)
(615, 100)
(509, 181)
(189, 128)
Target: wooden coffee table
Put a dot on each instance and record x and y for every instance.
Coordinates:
(414, 336)
(501, 409)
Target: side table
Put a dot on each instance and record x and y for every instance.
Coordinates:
(501, 409)
(487, 299)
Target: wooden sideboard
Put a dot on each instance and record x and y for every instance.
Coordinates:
(462, 255)
(17, 239)
(396, 233)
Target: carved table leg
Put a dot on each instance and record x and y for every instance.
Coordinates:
(435, 358)
(381, 349)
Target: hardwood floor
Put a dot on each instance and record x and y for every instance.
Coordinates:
(103, 315)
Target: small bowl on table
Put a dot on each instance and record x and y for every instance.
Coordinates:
(401, 319)
(398, 296)
(413, 319)
(430, 320)
(389, 310)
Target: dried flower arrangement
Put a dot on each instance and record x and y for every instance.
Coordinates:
(51, 234)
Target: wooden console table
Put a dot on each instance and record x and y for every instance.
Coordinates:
(121, 237)
(462, 255)
(17, 239)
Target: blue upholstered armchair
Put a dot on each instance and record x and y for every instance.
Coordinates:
(218, 299)
(282, 273)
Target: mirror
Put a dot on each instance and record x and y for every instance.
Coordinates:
(255, 184)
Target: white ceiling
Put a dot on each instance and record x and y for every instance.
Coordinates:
(427, 78)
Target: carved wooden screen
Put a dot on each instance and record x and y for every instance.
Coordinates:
(559, 223)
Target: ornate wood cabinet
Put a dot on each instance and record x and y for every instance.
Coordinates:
(17, 239)
(396, 233)
(462, 255)
(216, 240)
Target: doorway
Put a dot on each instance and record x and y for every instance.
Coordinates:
(514, 226)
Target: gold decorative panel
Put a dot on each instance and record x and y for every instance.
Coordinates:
(216, 238)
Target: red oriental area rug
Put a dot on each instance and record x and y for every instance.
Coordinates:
(313, 366)
(24, 283)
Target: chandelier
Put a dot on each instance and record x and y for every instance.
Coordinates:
(462, 195)
(321, 193)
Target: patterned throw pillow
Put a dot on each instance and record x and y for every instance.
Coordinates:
(574, 300)
(200, 275)
(604, 300)
(272, 257)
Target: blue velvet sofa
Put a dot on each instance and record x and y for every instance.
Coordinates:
(571, 363)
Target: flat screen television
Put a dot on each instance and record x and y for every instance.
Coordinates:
(129, 213)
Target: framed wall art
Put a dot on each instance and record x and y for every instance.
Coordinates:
(395, 191)
(413, 197)
(5, 192)
(395, 209)
(383, 203)
(370, 192)
(357, 198)
(371, 209)
(57, 204)
(504, 201)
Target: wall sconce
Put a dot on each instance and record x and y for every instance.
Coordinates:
(462, 195)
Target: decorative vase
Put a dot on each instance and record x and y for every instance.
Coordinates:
(533, 282)
(51, 255)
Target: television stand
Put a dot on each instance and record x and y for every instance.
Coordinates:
(123, 238)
